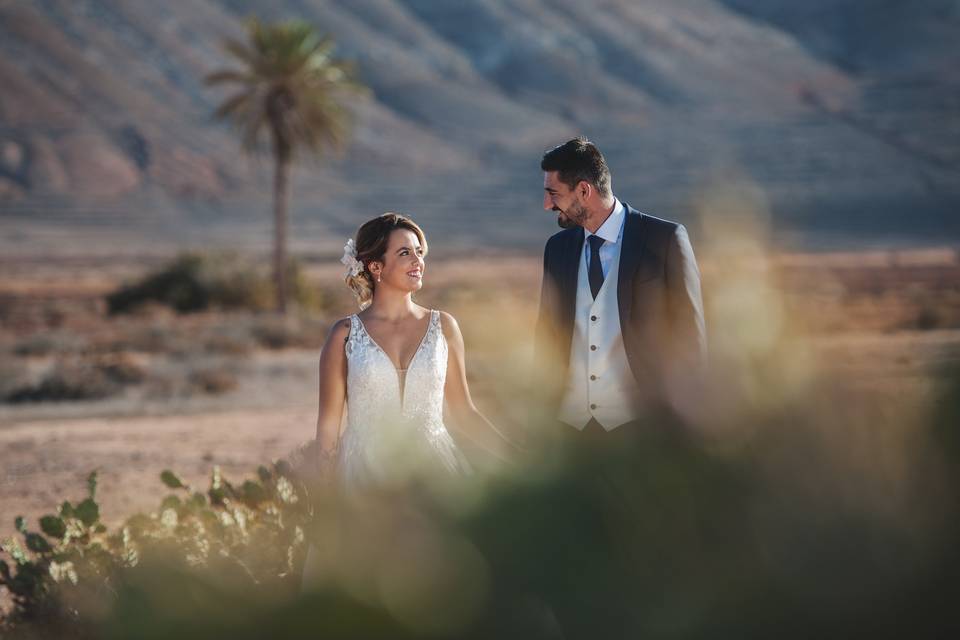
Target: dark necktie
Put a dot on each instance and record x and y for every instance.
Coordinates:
(596, 269)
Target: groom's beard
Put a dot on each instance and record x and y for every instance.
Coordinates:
(575, 216)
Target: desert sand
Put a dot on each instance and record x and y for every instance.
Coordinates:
(889, 324)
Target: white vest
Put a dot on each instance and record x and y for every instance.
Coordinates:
(599, 383)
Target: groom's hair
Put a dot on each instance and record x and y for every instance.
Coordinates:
(576, 160)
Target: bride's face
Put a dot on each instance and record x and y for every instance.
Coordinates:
(403, 262)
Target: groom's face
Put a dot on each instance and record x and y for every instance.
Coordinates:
(560, 198)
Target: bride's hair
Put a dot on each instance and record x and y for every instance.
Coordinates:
(371, 244)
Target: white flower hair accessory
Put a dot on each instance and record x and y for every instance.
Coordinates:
(349, 259)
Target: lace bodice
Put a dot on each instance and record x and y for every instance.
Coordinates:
(395, 428)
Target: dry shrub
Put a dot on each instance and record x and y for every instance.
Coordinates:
(155, 338)
(13, 377)
(161, 387)
(298, 331)
(228, 340)
(213, 381)
(49, 343)
(122, 368)
(68, 380)
(195, 282)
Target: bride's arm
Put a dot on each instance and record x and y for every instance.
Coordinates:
(467, 418)
(333, 391)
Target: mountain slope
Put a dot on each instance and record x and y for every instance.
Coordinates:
(105, 121)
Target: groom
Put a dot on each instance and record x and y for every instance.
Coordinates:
(620, 333)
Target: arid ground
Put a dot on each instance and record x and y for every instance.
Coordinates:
(237, 389)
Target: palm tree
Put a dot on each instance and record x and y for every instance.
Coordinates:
(290, 88)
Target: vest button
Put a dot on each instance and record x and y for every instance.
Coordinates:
(593, 406)
(593, 377)
(593, 318)
(593, 347)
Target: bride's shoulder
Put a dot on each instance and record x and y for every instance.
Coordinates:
(449, 325)
(334, 349)
(340, 331)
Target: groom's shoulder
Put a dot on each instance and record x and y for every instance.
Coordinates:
(562, 237)
(654, 227)
(653, 222)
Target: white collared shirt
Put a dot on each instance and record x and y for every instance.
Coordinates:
(612, 233)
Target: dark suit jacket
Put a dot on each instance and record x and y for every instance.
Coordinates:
(661, 313)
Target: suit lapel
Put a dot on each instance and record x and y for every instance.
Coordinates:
(630, 254)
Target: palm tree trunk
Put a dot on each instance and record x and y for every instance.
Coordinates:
(280, 233)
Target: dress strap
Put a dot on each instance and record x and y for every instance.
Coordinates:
(435, 321)
(356, 329)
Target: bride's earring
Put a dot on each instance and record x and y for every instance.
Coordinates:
(379, 278)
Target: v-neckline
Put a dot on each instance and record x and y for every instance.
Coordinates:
(401, 387)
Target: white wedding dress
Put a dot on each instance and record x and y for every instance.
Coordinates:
(395, 432)
(395, 429)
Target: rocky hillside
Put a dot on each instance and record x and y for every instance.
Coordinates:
(844, 119)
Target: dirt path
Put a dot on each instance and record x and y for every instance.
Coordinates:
(45, 462)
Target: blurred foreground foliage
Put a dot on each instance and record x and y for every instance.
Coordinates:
(195, 282)
(67, 578)
(670, 534)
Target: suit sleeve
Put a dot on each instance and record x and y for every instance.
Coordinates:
(546, 301)
(687, 358)
(544, 367)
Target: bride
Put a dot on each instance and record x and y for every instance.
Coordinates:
(391, 367)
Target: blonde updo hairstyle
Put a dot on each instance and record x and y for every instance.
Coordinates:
(371, 245)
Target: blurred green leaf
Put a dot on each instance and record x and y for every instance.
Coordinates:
(20, 524)
(264, 473)
(210, 519)
(37, 543)
(92, 485)
(216, 479)
(253, 492)
(88, 512)
(217, 496)
(170, 479)
(12, 547)
(283, 468)
(66, 510)
(53, 526)
(198, 500)
(138, 523)
(171, 502)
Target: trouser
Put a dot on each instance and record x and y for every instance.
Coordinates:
(595, 600)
